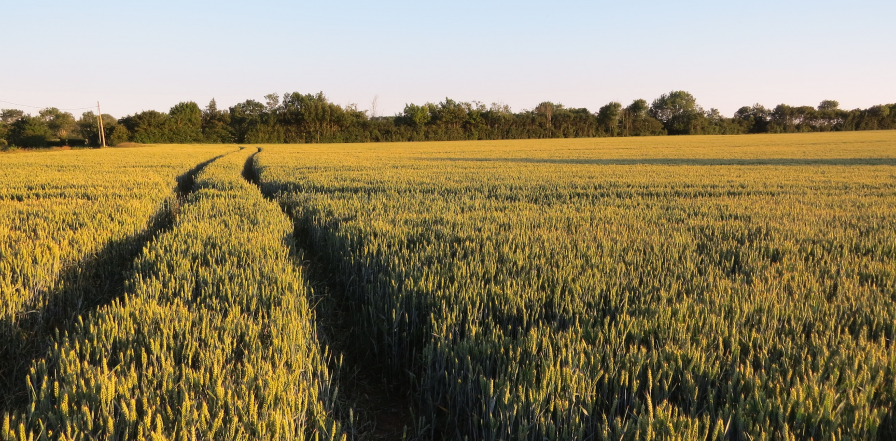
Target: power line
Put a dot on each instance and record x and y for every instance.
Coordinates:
(39, 107)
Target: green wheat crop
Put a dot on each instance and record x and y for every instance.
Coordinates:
(656, 288)
(70, 222)
(213, 338)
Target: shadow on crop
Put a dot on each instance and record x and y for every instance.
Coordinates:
(249, 172)
(373, 396)
(683, 161)
(81, 288)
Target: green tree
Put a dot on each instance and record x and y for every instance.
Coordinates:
(110, 124)
(272, 101)
(788, 119)
(829, 105)
(149, 127)
(216, 124)
(29, 131)
(311, 118)
(679, 112)
(60, 123)
(829, 116)
(253, 122)
(450, 114)
(87, 127)
(636, 120)
(874, 118)
(118, 135)
(10, 116)
(608, 118)
(781, 119)
(546, 111)
(185, 123)
(4, 131)
(7, 117)
(416, 116)
(245, 117)
(753, 119)
(498, 119)
(475, 126)
(717, 124)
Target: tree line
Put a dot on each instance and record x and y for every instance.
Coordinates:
(310, 118)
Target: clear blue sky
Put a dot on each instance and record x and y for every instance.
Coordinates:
(144, 55)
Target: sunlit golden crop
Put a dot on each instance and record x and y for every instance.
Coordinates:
(212, 337)
(708, 288)
(674, 288)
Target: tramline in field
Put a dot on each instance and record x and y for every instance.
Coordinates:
(681, 288)
(685, 288)
(212, 339)
(71, 222)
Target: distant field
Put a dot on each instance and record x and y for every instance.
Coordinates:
(700, 287)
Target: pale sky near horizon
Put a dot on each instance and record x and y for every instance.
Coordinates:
(135, 56)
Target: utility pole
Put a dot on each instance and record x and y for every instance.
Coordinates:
(99, 118)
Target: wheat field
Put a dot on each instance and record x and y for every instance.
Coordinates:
(737, 287)
(673, 288)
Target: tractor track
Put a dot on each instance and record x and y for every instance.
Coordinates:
(94, 282)
(380, 408)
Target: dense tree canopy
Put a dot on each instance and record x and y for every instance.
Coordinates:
(679, 112)
(29, 131)
(216, 126)
(636, 120)
(185, 123)
(60, 124)
(89, 130)
(304, 118)
(609, 118)
(4, 131)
